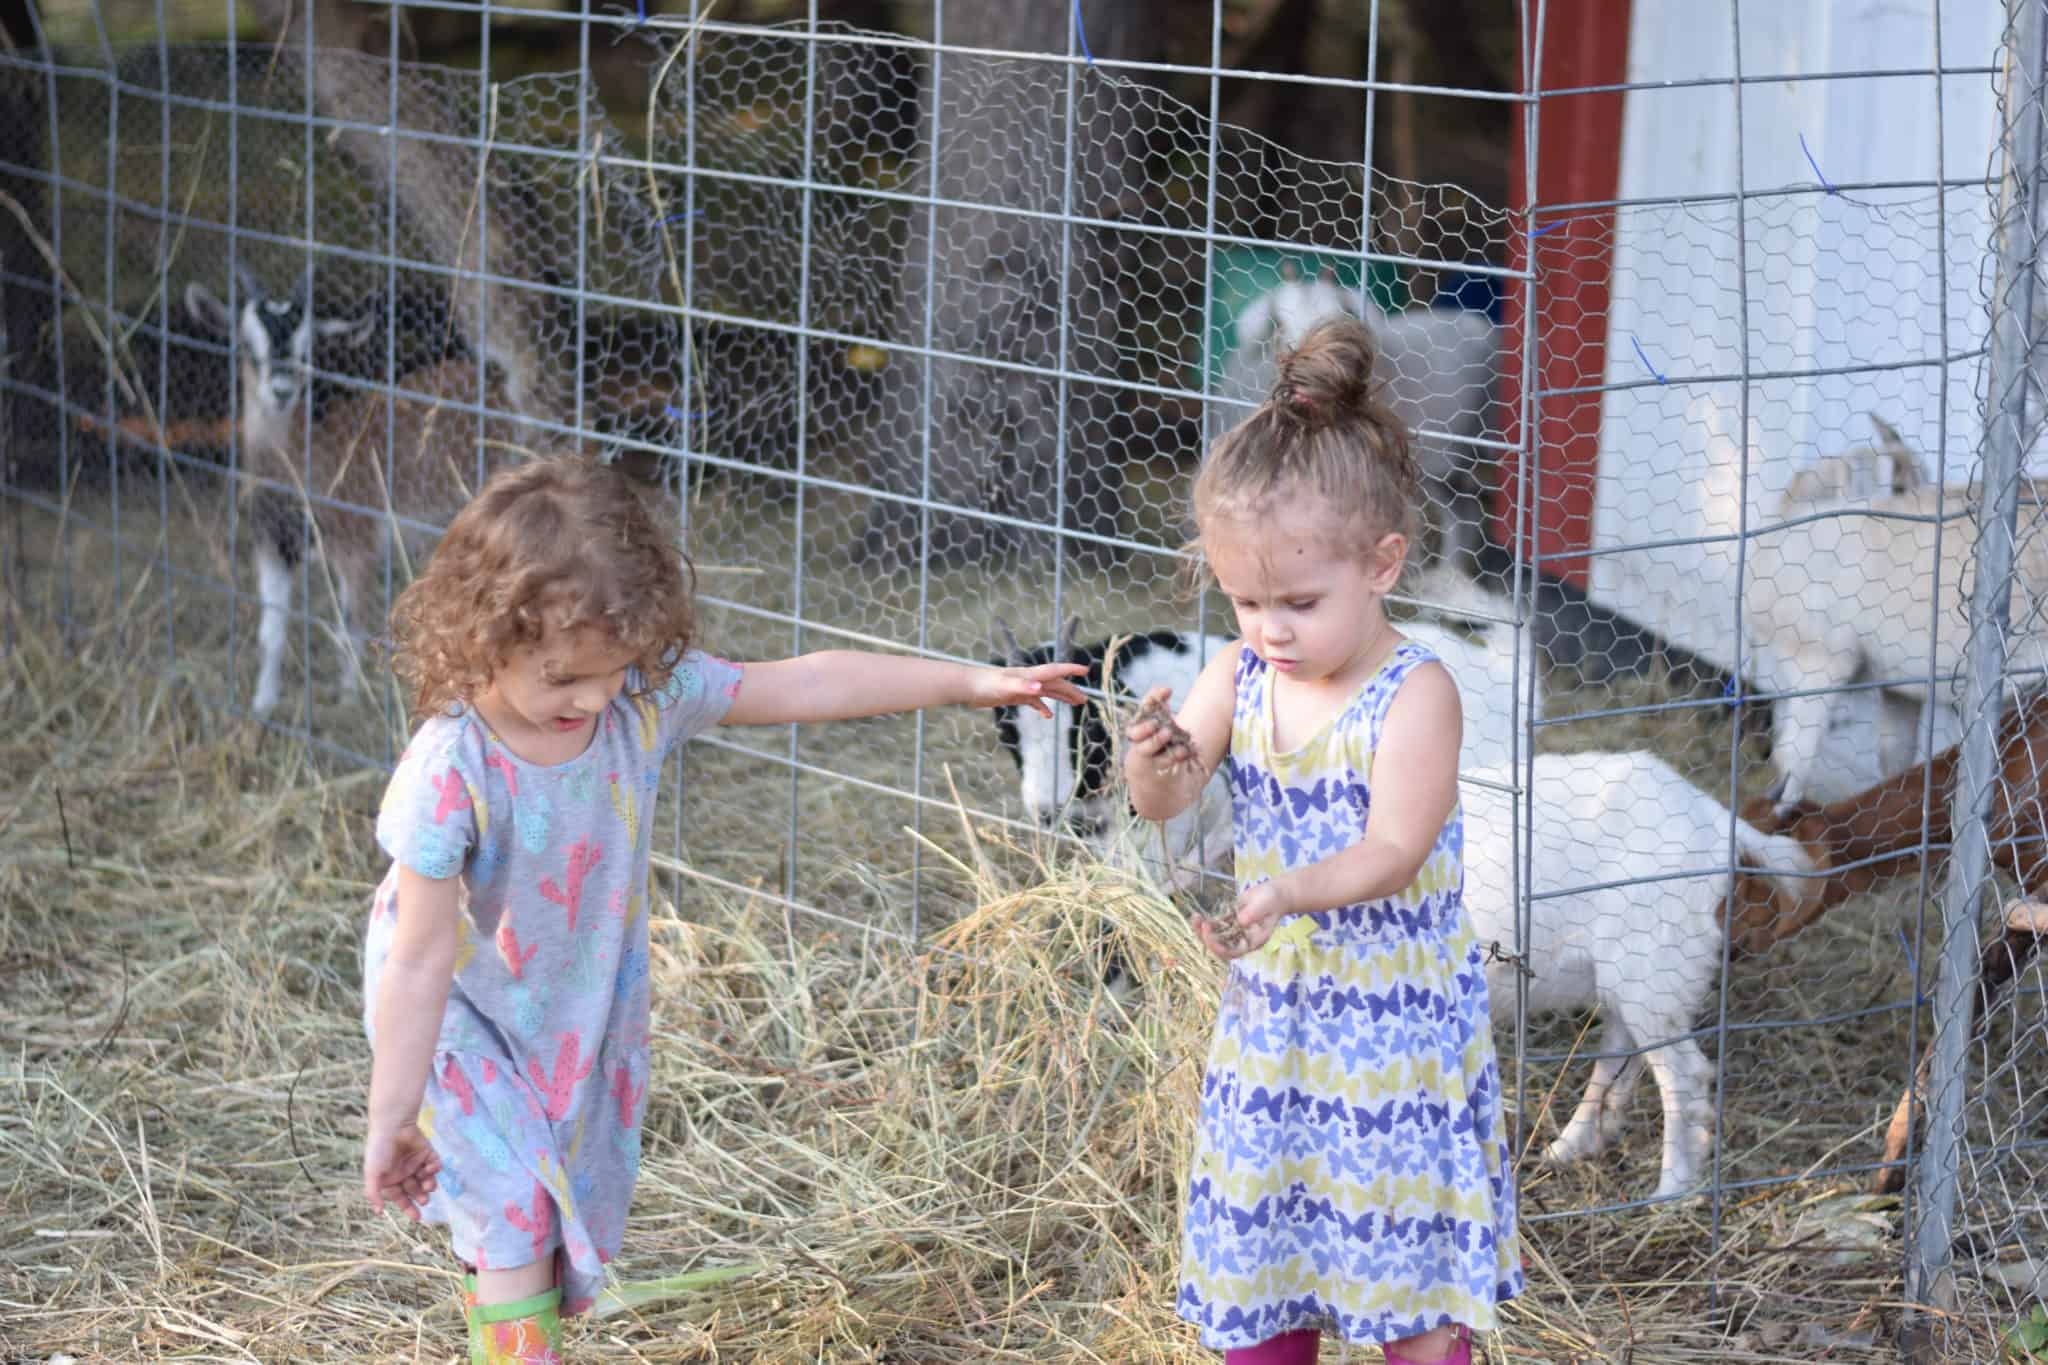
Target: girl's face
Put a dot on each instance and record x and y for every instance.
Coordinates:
(548, 696)
(1308, 609)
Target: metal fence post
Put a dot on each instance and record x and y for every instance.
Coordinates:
(1930, 1281)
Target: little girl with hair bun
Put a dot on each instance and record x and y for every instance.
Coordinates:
(1351, 1173)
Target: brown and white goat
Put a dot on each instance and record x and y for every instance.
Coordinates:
(1878, 834)
(350, 489)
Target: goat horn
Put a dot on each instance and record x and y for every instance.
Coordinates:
(1068, 633)
(251, 287)
(1006, 642)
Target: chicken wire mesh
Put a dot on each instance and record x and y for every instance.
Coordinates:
(924, 337)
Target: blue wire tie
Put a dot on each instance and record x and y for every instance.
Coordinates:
(687, 213)
(682, 416)
(1646, 360)
(641, 5)
(1551, 226)
(1081, 32)
(1809, 161)
(1919, 996)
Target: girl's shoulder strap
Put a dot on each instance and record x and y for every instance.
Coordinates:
(1407, 656)
(1249, 665)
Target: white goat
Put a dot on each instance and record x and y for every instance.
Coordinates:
(1439, 367)
(1645, 954)
(1836, 599)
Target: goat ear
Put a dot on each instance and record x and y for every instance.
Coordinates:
(1906, 474)
(207, 310)
(349, 331)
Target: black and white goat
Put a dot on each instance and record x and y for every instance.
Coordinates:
(1067, 765)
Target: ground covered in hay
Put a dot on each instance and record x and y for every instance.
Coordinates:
(857, 1150)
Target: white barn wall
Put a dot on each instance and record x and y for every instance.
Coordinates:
(1833, 280)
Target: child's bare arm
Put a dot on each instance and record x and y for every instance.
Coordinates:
(841, 684)
(1166, 765)
(412, 991)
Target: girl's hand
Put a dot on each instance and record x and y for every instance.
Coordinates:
(1157, 738)
(1259, 912)
(399, 1168)
(1028, 687)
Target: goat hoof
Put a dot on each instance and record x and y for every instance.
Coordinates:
(1571, 1147)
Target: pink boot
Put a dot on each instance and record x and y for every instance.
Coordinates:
(1459, 1354)
(1289, 1348)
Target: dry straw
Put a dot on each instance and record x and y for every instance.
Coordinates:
(856, 1151)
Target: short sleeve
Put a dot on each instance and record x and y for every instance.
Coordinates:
(434, 805)
(696, 697)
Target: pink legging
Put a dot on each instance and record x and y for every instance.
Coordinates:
(1289, 1348)
(1299, 1348)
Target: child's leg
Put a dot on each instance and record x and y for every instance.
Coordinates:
(514, 1315)
(1289, 1348)
(1438, 1346)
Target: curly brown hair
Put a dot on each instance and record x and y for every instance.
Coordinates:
(551, 544)
(1324, 429)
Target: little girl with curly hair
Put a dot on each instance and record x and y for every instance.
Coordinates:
(548, 648)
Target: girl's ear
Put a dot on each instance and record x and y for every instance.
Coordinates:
(1385, 562)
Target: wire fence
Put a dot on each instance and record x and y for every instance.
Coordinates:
(922, 335)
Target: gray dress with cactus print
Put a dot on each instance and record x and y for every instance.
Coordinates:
(539, 1076)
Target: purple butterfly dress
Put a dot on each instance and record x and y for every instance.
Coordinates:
(1350, 1170)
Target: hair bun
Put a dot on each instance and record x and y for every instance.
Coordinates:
(1327, 379)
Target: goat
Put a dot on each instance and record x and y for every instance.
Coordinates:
(278, 335)
(1438, 369)
(1067, 765)
(345, 487)
(1067, 769)
(1878, 834)
(334, 472)
(1645, 953)
(1836, 598)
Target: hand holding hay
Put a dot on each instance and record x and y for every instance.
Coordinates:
(1176, 752)
(1223, 927)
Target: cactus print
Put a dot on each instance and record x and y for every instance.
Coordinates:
(549, 1008)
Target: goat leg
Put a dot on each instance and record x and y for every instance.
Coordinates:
(1997, 967)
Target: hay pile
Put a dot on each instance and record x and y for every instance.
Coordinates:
(854, 1152)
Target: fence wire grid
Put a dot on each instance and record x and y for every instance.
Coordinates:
(919, 337)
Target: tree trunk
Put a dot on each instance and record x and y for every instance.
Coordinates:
(455, 201)
(999, 285)
(28, 314)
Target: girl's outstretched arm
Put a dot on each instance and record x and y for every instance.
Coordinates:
(840, 684)
(412, 991)
(1414, 790)
(1205, 715)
